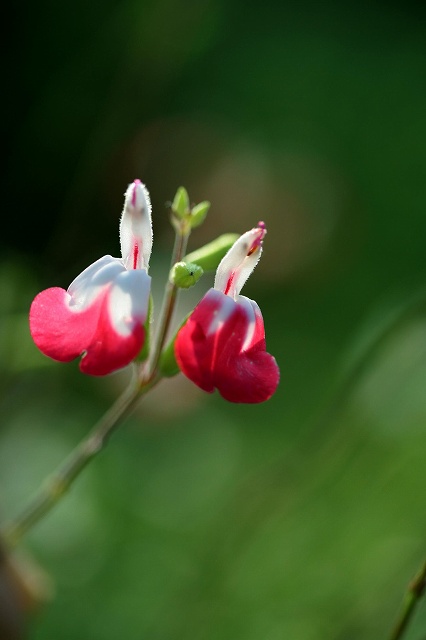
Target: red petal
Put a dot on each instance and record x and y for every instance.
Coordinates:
(195, 347)
(221, 358)
(64, 334)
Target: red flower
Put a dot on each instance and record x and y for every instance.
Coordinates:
(222, 345)
(101, 315)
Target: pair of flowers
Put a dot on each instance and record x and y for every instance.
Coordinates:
(103, 315)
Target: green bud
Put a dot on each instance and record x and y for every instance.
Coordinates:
(209, 256)
(180, 205)
(198, 213)
(185, 274)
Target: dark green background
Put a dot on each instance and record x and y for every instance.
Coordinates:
(300, 519)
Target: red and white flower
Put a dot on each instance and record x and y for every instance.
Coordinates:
(222, 345)
(101, 315)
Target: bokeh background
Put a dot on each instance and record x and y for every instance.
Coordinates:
(303, 518)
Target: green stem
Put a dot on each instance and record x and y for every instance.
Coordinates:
(61, 480)
(169, 301)
(412, 597)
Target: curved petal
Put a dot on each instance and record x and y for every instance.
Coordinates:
(87, 286)
(59, 332)
(108, 332)
(223, 346)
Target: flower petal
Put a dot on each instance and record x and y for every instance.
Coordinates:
(129, 300)
(195, 345)
(59, 332)
(108, 332)
(87, 286)
(246, 374)
(222, 346)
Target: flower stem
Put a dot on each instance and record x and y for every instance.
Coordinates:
(169, 300)
(412, 596)
(61, 480)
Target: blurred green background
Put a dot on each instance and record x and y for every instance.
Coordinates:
(300, 519)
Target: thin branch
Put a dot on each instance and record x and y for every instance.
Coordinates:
(61, 480)
(415, 591)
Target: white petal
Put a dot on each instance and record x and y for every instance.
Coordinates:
(85, 288)
(129, 299)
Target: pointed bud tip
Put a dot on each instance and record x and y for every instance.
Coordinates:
(136, 183)
(137, 195)
(260, 232)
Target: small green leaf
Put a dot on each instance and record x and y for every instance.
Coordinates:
(143, 354)
(167, 365)
(180, 205)
(198, 213)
